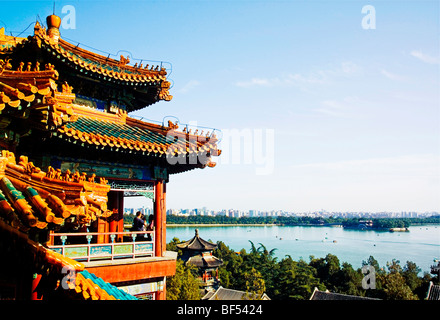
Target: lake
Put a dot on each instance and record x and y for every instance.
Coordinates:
(420, 245)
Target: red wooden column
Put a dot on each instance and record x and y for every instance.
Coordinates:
(159, 217)
(116, 201)
(35, 282)
(164, 219)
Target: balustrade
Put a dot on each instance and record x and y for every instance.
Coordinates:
(80, 247)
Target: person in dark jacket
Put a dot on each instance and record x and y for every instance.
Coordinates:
(138, 222)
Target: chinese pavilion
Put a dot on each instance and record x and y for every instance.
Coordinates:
(70, 152)
(198, 252)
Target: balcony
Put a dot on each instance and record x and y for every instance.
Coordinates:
(89, 247)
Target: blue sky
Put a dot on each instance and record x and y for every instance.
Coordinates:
(354, 113)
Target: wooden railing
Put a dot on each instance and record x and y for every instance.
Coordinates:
(84, 247)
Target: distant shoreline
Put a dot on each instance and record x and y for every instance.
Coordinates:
(373, 224)
(222, 225)
(177, 225)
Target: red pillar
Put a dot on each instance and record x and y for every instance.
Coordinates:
(120, 226)
(35, 282)
(159, 218)
(113, 225)
(116, 201)
(164, 218)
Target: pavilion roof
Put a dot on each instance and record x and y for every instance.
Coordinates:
(149, 84)
(231, 294)
(433, 291)
(34, 96)
(205, 261)
(197, 244)
(100, 64)
(327, 295)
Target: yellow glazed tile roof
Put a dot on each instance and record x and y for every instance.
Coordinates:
(31, 198)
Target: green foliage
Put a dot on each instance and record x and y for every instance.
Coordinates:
(395, 287)
(255, 284)
(289, 279)
(258, 271)
(378, 223)
(172, 246)
(184, 284)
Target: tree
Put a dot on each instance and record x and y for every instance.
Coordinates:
(184, 284)
(350, 281)
(327, 269)
(305, 281)
(172, 246)
(410, 274)
(269, 268)
(394, 283)
(374, 263)
(255, 286)
(230, 273)
(395, 287)
(422, 290)
(286, 277)
(394, 266)
(258, 272)
(231, 261)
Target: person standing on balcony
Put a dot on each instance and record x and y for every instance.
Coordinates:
(139, 225)
(138, 222)
(150, 226)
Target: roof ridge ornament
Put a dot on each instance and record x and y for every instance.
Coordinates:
(53, 25)
(5, 65)
(124, 61)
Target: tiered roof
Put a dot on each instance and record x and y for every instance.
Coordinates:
(35, 94)
(59, 100)
(197, 252)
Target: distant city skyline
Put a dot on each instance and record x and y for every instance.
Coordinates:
(262, 213)
(318, 108)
